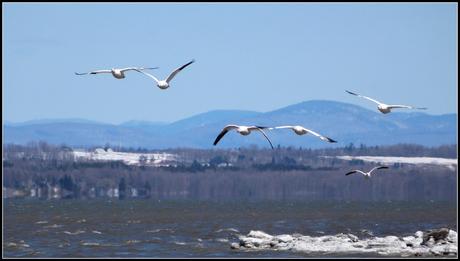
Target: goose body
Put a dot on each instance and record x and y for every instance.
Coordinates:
(117, 73)
(385, 108)
(164, 84)
(366, 174)
(300, 130)
(243, 130)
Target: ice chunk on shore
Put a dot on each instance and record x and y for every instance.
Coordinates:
(351, 244)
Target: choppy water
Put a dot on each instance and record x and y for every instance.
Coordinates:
(149, 228)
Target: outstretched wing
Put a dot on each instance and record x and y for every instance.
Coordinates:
(223, 132)
(282, 127)
(351, 172)
(258, 127)
(261, 130)
(321, 136)
(354, 171)
(138, 68)
(379, 167)
(405, 106)
(171, 76)
(365, 97)
(148, 74)
(95, 72)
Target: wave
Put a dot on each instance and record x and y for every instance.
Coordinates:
(53, 226)
(74, 233)
(228, 230)
(160, 229)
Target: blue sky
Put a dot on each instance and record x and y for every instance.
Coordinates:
(257, 57)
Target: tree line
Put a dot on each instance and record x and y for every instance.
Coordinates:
(47, 171)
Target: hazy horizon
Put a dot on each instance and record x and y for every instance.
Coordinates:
(6, 121)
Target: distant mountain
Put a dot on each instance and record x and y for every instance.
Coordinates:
(212, 117)
(343, 122)
(44, 121)
(141, 124)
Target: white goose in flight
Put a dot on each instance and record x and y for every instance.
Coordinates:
(243, 130)
(164, 84)
(366, 174)
(299, 130)
(385, 108)
(118, 73)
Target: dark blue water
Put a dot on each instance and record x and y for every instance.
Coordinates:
(150, 228)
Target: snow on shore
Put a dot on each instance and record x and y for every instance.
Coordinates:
(450, 163)
(156, 159)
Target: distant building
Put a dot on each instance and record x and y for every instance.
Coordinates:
(113, 193)
(134, 192)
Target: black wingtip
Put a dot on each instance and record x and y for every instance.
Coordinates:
(331, 140)
(187, 64)
(349, 173)
(220, 136)
(351, 92)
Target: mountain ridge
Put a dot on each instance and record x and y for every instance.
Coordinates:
(344, 122)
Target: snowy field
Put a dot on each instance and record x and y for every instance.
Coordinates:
(450, 163)
(154, 159)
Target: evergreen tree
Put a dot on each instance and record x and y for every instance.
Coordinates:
(122, 189)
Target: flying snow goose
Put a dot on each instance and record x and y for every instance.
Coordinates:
(243, 130)
(299, 130)
(385, 108)
(366, 174)
(164, 84)
(118, 73)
